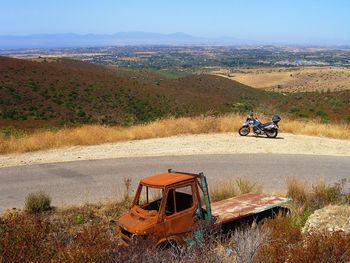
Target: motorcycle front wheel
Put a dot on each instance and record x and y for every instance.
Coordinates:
(272, 133)
(244, 131)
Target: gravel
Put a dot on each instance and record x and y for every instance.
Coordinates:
(330, 218)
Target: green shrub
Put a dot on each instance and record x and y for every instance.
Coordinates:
(37, 202)
(300, 217)
(242, 104)
(79, 219)
(323, 115)
(11, 131)
(295, 111)
(34, 86)
(336, 104)
(246, 186)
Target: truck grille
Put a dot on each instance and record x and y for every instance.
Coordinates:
(125, 235)
(125, 232)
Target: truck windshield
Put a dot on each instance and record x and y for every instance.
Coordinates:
(150, 198)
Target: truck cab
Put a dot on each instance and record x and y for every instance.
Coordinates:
(167, 207)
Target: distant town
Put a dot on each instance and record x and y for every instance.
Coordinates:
(192, 57)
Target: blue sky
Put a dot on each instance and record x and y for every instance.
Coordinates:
(293, 21)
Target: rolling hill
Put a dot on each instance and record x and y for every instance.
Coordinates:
(53, 92)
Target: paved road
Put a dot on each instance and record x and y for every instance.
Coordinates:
(93, 180)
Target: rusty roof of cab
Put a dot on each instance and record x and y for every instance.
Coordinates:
(165, 179)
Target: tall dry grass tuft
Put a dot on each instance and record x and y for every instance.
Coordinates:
(246, 186)
(221, 190)
(97, 134)
(297, 190)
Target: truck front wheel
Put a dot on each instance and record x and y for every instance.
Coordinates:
(172, 246)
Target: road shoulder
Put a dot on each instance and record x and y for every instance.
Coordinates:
(218, 143)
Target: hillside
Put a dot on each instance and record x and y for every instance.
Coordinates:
(292, 79)
(54, 92)
(57, 91)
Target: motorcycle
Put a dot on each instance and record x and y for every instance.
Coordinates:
(270, 129)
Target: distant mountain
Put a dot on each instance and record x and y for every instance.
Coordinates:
(121, 38)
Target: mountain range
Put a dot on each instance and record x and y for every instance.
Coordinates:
(121, 38)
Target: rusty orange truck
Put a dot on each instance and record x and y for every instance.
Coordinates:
(168, 206)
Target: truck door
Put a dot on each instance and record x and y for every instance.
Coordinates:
(180, 210)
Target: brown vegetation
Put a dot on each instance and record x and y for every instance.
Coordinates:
(89, 234)
(320, 194)
(276, 241)
(225, 189)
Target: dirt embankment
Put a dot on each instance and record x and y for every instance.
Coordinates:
(219, 143)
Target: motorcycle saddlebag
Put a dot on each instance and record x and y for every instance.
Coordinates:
(276, 118)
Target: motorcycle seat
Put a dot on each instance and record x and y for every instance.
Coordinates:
(266, 124)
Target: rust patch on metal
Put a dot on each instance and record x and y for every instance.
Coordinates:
(165, 179)
(243, 205)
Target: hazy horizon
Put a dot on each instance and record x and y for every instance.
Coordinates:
(322, 23)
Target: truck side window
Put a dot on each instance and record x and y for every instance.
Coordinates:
(183, 198)
(169, 206)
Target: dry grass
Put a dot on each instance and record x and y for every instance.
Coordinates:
(229, 188)
(97, 134)
(222, 190)
(37, 202)
(314, 128)
(318, 195)
(297, 190)
(290, 79)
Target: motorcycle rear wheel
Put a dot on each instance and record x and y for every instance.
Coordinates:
(244, 131)
(272, 133)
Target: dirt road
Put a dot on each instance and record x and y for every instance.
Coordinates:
(221, 143)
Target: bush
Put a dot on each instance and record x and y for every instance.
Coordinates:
(11, 131)
(286, 244)
(37, 202)
(24, 238)
(323, 115)
(242, 104)
(322, 247)
(300, 215)
(319, 196)
(295, 111)
(283, 235)
(323, 194)
(296, 190)
(246, 186)
(79, 219)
